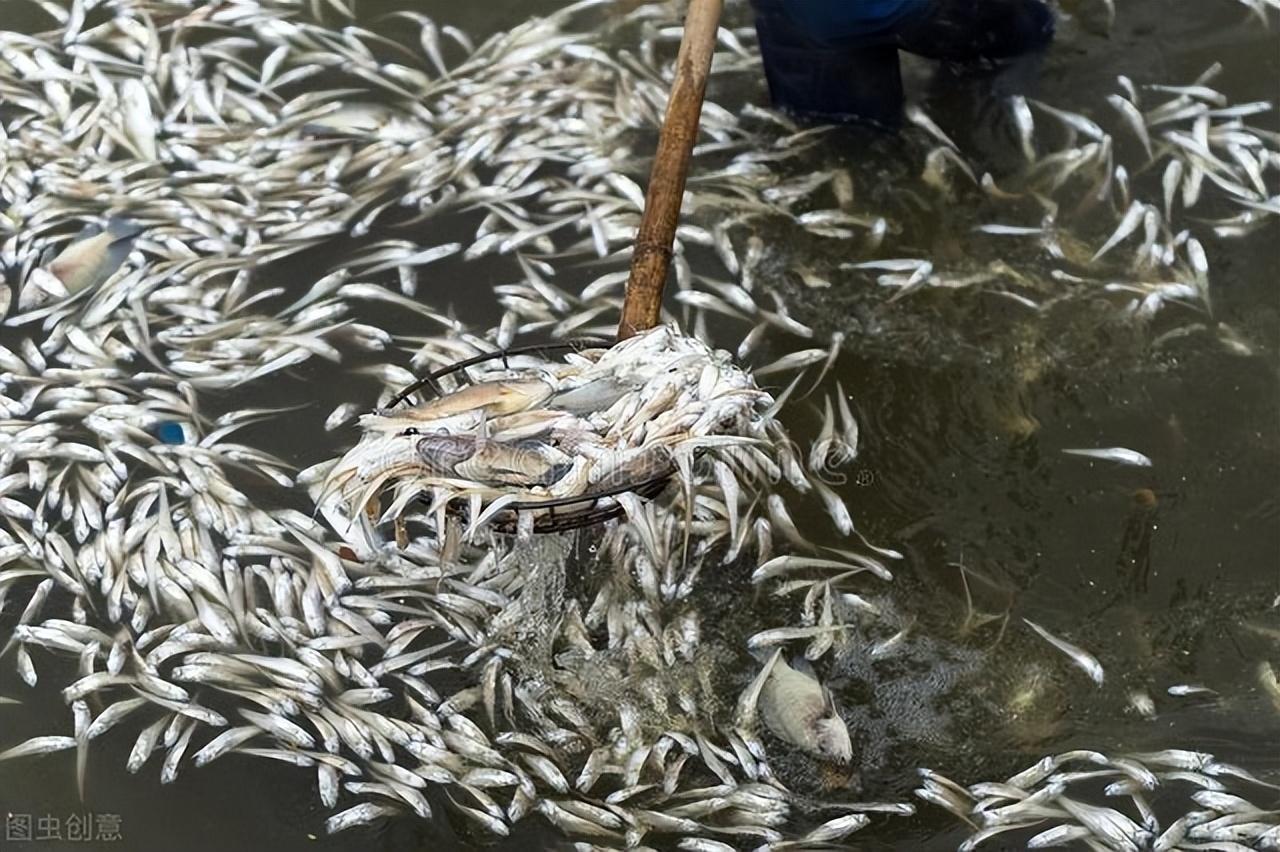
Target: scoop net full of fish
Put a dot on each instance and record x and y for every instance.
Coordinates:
(519, 436)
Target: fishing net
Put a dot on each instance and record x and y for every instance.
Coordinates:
(531, 443)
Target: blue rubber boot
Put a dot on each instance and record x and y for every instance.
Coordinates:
(837, 60)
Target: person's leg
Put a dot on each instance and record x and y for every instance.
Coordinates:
(836, 60)
(965, 30)
(818, 80)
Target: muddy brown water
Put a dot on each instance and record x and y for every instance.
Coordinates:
(964, 405)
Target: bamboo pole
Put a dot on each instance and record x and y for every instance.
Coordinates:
(651, 256)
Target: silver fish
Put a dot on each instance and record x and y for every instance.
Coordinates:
(361, 814)
(492, 398)
(139, 123)
(1133, 116)
(1026, 124)
(1086, 661)
(39, 745)
(1120, 455)
(1128, 224)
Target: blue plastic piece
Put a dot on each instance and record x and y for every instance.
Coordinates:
(171, 432)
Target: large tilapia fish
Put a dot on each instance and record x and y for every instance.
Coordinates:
(94, 254)
(801, 711)
(525, 462)
(482, 399)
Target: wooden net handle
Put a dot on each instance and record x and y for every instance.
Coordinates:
(651, 256)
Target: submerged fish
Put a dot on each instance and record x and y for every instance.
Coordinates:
(801, 711)
(1182, 689)
(94, 254)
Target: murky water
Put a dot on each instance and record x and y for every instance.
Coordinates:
(964, 404)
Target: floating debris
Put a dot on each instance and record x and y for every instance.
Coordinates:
(170, 432)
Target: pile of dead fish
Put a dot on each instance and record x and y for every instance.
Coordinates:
(160, 162)
(219, 624)
(1045, 804)
(524, 429)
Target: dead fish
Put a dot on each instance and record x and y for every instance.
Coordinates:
(1120, 455)
(794, 361)
(492, 398)
(1134, 118)
(1079, 656)
(39, 745)
(526, 462)
(801, 711)
(1128, 224)
(1108, 824)
(361, 814)
(94, 255)
(340, 415)
(1026, 125)
(837, 829)
(1059, 835)
(351, 119)
(597, 395)
(139, 123)
(1183, 689)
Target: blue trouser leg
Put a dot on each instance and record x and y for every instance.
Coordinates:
(829, 82)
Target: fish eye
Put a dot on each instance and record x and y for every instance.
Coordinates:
(410, 432)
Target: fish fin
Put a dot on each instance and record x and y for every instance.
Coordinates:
(748, 701)
(121, 228)
(829, 703)
(801, 665)
(89, 230)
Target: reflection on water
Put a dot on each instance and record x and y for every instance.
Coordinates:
(965, 402)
